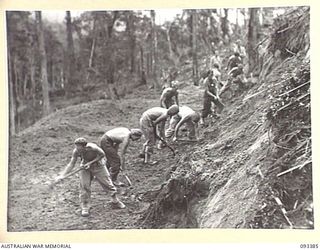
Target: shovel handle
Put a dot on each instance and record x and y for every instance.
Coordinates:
(66, 176)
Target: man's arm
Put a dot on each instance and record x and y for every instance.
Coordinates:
(177, 98)
(70, 165)
(161, 118)
(176, 130)
(162, 99)
(123, 148)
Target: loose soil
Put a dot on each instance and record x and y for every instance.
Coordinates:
(228, 165)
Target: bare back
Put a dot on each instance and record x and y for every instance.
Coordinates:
(154, 113)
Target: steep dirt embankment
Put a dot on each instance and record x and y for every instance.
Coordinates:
(228, 179)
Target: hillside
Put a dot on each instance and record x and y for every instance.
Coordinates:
(224, 180)
(251, 167)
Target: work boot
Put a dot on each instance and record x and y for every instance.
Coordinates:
(116, 202)
(85, 212)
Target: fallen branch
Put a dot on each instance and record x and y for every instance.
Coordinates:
(290, 52)
(306, 149)
(298, 99)
(295, 88)
(187, 140)
(283, 210)
(248, 97)
(294, 168)
(261, 42)
(296, 208)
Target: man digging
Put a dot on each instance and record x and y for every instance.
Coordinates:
(151, 120)
(115, 140)
(93, 163)
(186, 116)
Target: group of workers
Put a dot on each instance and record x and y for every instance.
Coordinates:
(105, 161)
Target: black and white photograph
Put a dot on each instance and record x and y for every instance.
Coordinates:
(159, 119)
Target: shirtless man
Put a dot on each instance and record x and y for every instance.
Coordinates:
(235, 75)
(166, 99)
(186, 116)
(93, 163)
(154, 117)
(114, 140)
(233, 61)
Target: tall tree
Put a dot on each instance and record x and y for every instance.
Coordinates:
(130, 28)
(43, 56)
(71, 60)
(154, 41)
(252, 39)
(12, 99)
(224, 25)
(195, 73)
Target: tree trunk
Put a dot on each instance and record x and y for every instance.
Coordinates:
(253, 28)
(244, 12)
(224, 26)
(32, 78)
(154, 50)
(130, 28)
(93, 46)
(195, 73)
(12, 99)
(71, 60)
(108, 57)
(83, 57)
(44, 77)
(143, 79)
(237, 28)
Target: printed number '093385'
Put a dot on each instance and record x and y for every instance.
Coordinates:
(309, 246)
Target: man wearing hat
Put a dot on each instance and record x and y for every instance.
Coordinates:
(93, 163)
(115, 140)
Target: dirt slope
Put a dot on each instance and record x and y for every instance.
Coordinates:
(229, 179)
(41, 151)
(219, 182)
